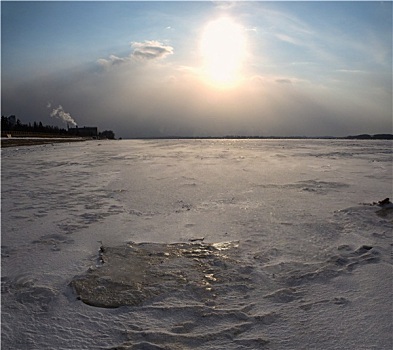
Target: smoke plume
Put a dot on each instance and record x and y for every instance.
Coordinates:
(59, 113)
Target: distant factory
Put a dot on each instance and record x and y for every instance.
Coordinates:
(83, 132)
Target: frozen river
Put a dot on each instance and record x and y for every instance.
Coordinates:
(249, 244)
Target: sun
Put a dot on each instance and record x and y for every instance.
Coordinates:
(222, 48)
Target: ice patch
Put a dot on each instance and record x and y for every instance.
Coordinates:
(134, 273)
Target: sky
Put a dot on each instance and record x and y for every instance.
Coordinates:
(155, 69)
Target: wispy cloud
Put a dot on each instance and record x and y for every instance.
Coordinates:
(284, 81)
(351, 71)
(288, 39)
(112, 61)
(280, 20)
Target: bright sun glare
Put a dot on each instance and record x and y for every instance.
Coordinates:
(223, 50)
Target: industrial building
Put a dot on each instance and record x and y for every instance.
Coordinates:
(84, 132)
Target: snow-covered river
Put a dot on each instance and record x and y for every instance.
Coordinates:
(252, 244)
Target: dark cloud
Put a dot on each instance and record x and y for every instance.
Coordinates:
(137, 100)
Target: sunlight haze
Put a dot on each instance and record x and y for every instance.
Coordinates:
(223, 51)
(147, 69)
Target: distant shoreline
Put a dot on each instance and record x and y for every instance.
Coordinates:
(239, 137)
(25, 141)
(33, 141)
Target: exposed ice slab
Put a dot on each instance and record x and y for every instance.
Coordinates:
(133, 273)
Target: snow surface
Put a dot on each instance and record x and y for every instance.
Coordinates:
(312, 263)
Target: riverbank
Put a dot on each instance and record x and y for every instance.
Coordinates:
(32, 141)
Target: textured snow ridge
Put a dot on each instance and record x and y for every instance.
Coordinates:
(197, 244)
(213, 284)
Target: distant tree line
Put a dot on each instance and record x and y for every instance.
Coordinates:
(107, 134)
(371, 137)
(239, 137)
(11, 123)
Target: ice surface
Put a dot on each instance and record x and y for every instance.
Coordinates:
(311, 267)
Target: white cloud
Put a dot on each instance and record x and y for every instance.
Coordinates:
(147, 50)
(150, 50)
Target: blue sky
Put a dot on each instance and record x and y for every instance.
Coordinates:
(201, 68)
